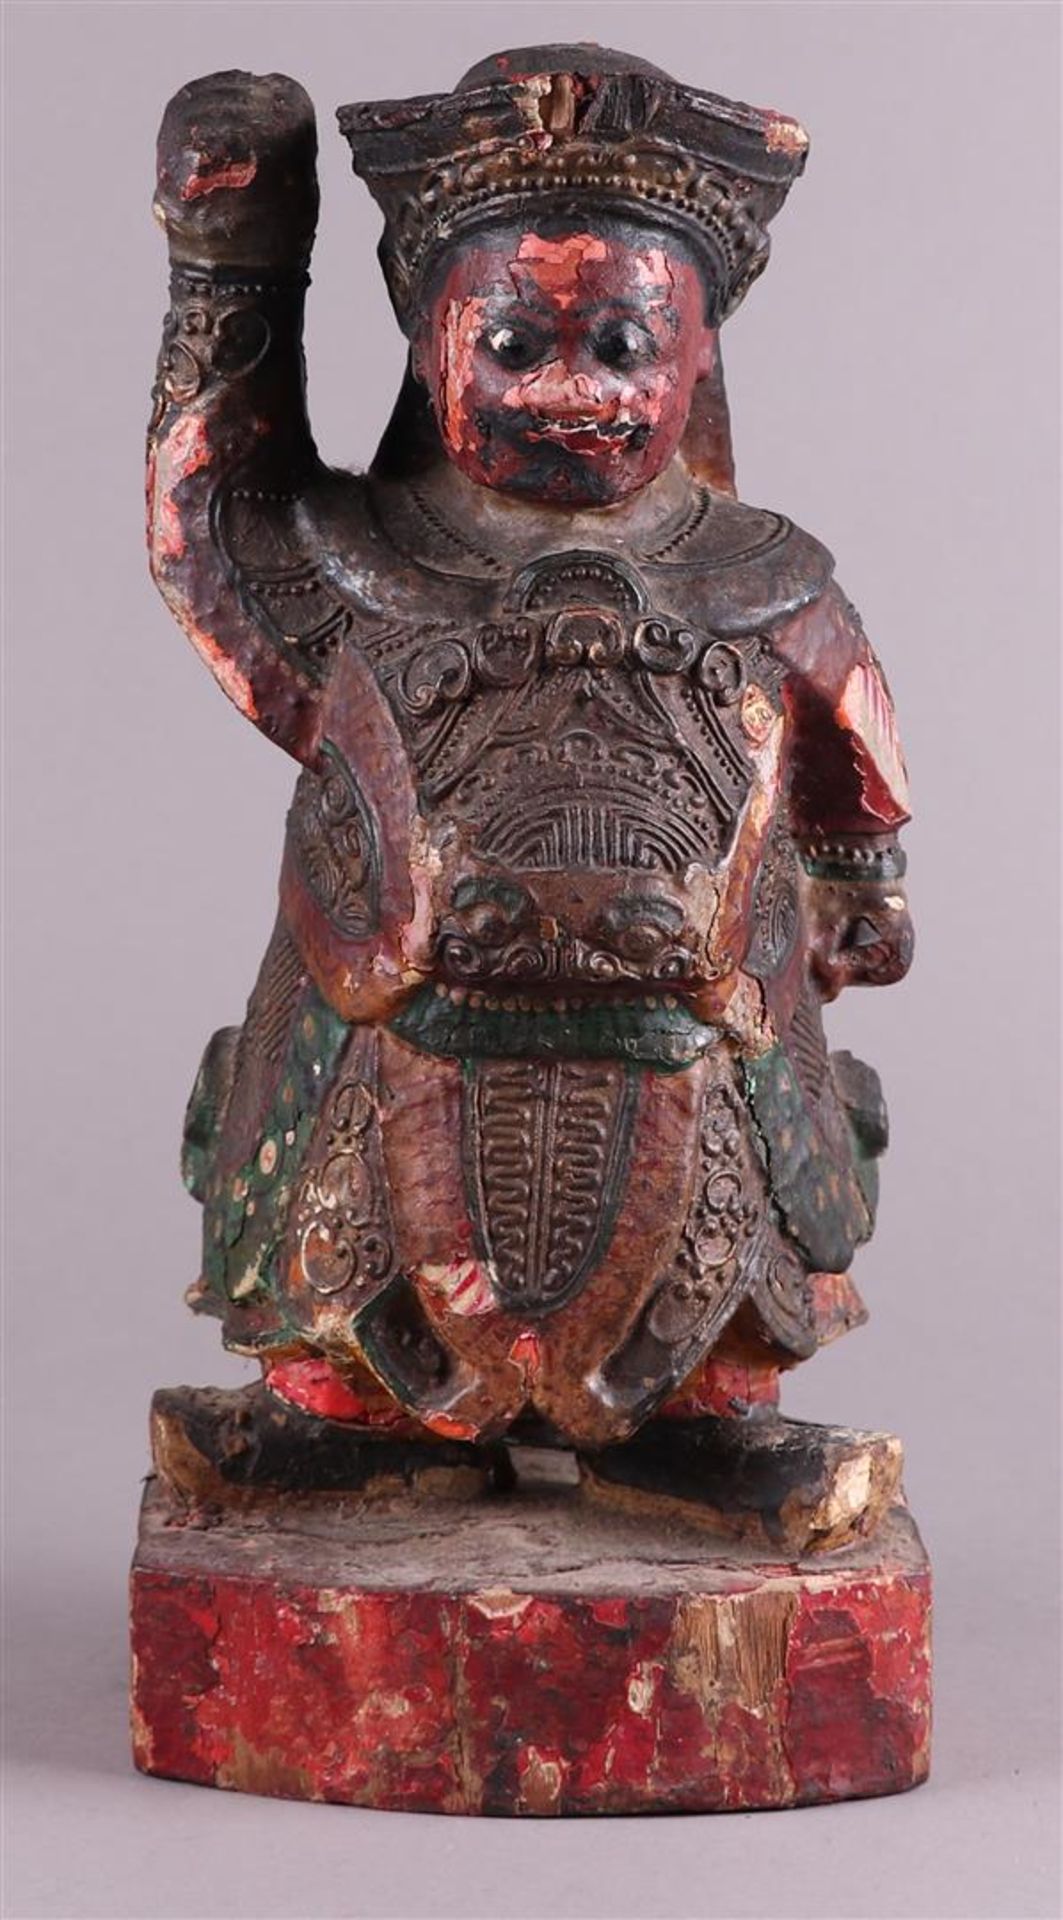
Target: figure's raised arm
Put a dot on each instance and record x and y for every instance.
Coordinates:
(229, 446)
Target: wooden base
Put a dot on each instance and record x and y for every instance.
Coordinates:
(541, 1655)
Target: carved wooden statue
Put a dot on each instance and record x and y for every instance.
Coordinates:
(530, 1145)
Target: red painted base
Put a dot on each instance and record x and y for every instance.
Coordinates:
(529, 1653)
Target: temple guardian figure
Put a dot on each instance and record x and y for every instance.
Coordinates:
(530, 1137)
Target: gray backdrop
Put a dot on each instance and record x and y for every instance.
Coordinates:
(894, 388)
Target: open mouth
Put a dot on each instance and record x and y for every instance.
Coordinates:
(588, 435)
(655, 1030)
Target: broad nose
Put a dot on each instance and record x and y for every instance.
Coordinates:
(558, 390)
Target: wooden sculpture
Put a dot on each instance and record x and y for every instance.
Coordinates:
(528, 1172)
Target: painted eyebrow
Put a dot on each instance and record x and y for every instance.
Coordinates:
(500, 307)
(623, 309)
(667, 914)
(503, 307)
(615, 308)
(474, 892)
(511, 316)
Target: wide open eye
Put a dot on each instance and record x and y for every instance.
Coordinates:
(622, 344)
(640, 940)
(639, 926)
(514, 346)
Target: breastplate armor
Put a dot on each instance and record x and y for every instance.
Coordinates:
(590, 746)
(577, 727)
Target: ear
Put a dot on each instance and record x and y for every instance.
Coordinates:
(708, 350)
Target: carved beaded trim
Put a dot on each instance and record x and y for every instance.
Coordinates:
(849, 861)
(673, 183)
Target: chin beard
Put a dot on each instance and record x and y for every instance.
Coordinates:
(546, 469)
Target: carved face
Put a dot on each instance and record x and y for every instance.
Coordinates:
(562, 366)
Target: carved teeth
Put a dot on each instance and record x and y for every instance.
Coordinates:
(563, 1003)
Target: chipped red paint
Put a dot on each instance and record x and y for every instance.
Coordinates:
(558, 416)
(849, 774)
(317, 1387)
(184, 451)
(527, 1352)
(298, 1694)
(556, 266)
(851, 1652)
(836, 1305)
(194, 453)
(723, 1387)
(232, 173)
(225, 670)
(503, 1702)
(784, 135)
(462, 327)
(449, 1427)
(168, 535)
(866, 711)
(462, 1286)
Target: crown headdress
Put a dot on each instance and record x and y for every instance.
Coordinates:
(557, 126)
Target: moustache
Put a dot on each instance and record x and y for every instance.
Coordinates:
(520, 428)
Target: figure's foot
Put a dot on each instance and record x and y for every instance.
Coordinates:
(225, 1447)
(786, 1485)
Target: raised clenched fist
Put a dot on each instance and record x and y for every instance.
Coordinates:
(237, 183)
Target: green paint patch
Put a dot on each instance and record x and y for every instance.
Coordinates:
(822, 1176)
(860, 868)
(245, 1212)
(646, 1032)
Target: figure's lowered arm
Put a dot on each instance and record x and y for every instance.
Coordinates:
(848, 800)
(229, 447)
